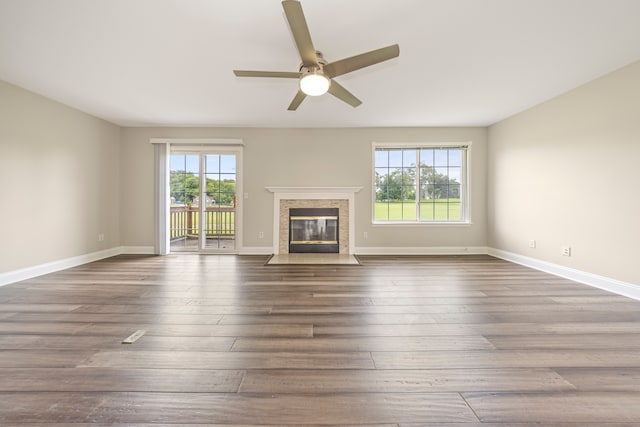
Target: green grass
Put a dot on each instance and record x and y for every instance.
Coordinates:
(430, 210)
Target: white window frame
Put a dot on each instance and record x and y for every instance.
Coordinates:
(465, 193)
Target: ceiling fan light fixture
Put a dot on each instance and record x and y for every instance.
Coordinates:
(314, 83)
(312, 79)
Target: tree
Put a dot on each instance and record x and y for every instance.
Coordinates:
(400, 183)
(434, 185)
(223, 191)
(184, 186)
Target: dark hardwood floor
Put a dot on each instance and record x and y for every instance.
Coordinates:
(397, 341)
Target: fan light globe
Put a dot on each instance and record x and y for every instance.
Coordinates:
(314, 84)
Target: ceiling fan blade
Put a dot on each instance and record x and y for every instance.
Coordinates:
(340, 92)
(283, 74)
(346, 65)
(297, 100)
(300, 30)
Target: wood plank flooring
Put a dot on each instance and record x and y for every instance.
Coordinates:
(394, 342)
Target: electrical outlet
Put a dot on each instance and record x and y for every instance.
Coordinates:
(532, 243)
(261, 235)
(101, 237)
(366, 235)
(566, 251)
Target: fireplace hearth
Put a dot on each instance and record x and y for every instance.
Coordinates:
(313, 230)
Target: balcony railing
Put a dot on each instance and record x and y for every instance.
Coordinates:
(219, 222)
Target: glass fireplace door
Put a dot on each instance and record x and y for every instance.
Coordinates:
(313, 230)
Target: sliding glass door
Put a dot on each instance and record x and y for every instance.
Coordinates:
(203, 201)
(220, 207)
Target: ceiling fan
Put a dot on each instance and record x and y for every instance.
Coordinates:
(316, 74)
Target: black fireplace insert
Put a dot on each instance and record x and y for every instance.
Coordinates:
(313, 230)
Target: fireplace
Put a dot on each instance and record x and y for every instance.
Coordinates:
(314, 230)
(286, 198)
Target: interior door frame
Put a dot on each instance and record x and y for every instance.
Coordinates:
(163, 150)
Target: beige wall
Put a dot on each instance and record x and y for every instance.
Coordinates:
(304, 157)
(563, 173)
(566, 173)
(59, 170)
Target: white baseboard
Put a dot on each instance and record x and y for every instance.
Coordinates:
(612, 285)
(601, 282)
(53, 266)
(436, 250)
(480, 250)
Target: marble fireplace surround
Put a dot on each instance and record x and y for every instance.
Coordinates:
(312, 197)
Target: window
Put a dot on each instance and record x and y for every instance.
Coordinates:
(420, 184)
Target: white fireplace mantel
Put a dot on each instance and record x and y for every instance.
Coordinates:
(315, 192)
(318, 193)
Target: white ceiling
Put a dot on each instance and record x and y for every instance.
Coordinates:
(170, 62)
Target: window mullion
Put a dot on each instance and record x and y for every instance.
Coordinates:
(202, 220)
(417, 184)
